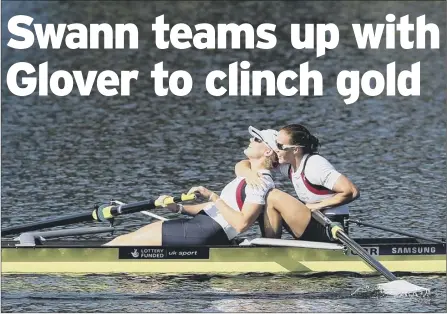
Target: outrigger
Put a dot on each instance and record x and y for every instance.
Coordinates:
(33, 251)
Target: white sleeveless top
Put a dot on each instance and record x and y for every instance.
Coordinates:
(235, 194)
(314, 180)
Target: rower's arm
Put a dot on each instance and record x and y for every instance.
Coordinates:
(345, 192)
(194, 209)
(243, 169)
(239, 220)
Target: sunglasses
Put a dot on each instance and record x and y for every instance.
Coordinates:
(287, 147)
(257, 140)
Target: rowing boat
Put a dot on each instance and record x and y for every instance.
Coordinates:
(259, 255)
(26, 254)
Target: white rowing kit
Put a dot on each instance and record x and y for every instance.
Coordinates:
(314, 180)
(233, 195)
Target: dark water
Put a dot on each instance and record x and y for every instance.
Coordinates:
(210, 294)
(66, 154)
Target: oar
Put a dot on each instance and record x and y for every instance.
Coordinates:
(146, 213)
(395, 286)
(102, 213)
(361, 223)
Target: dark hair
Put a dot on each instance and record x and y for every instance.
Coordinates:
(299, 135)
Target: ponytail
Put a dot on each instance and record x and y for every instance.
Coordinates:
(314, 145)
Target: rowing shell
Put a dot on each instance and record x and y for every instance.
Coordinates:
(258, 256)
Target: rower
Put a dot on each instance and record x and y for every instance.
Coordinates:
(316, 182)
(222, 218)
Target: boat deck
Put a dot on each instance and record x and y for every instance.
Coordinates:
(99, 243)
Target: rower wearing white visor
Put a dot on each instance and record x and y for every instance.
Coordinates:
(225, 216)
(317, 183)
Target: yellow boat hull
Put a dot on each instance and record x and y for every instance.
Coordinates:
(214, 260)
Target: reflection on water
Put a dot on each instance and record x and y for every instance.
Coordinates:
(210, 294)
(69, 153)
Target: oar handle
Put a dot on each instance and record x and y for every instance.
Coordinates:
(323, 220)
(107, 212)
(176, 199)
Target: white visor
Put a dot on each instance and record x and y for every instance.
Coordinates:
(267, 136)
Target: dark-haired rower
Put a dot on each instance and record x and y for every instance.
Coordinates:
(316, 182)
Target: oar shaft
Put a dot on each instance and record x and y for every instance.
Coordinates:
(354, 246)
(361, 223)
(149, 204)
(132, 208)
(61, 221)
(104, 213)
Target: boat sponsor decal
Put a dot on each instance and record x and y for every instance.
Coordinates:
(403, 249)
(164, 253)
(372, 250)
(421, 249)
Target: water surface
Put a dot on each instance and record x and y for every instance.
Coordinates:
(66, 154)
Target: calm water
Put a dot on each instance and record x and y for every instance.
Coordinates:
(210, 294)
(61, 154)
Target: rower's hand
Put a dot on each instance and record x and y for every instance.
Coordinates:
(254, 180)
(172, 207)
(203, 191)
(318, 206)
(313, 206)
